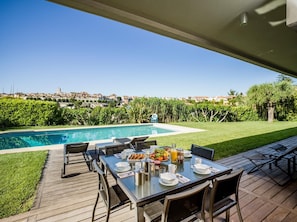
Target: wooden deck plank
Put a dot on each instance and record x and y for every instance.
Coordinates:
(290, 218)
(72, 198)
(261, 212)
(279, 214)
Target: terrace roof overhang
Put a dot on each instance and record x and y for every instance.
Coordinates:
(261, 32)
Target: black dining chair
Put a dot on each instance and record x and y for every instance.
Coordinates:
(110, 150)
(224, 195)
(113, 196)
(144, 144)
(182, 206)
(72, 150)
(204, 152)
(116, 148)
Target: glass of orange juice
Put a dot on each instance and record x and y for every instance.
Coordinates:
(173, 155)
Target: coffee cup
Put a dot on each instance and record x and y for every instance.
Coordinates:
(187, 153)
(172, 168)
(198, 160)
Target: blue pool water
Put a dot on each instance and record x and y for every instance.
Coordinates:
(52, 137)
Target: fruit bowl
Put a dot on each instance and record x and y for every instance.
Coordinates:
(159, 154)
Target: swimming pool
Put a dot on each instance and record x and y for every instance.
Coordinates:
(24, 139)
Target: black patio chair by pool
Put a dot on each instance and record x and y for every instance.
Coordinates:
(138, 139)
(70, 153)
(204, 152)
(121, 140)
(144, 144)
(182, 206)
(224, 195)
(132, 142)
(113, 196)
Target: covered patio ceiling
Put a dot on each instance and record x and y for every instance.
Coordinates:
(262, 32)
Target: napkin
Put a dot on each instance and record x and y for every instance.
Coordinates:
(214, 170)
(125, 174)
(182, 179)
(117, 155)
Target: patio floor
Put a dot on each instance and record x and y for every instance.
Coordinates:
(72, 198)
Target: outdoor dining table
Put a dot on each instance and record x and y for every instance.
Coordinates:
(151, 190)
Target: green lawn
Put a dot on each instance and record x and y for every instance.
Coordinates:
(21, 172)
(20, 175)
(231, 138)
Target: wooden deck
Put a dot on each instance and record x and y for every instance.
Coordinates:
(72, 198)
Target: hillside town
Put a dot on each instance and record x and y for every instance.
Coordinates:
(93, 100)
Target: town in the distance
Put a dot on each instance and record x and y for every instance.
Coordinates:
(93, 100)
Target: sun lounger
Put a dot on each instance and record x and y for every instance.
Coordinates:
(261, 159)
(132, 142)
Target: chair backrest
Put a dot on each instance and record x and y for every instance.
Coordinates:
(225, 186)
(122, 140)
(204, 152)
(279, 147)
(103, 186)
(286, 152)
(184, 204)
(145, 144)
(138, 139)
(116, 148)
(76, 147)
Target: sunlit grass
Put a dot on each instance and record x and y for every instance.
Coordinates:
(232, 138)
(20, 175)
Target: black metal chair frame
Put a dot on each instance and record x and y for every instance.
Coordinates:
(279, 150)
(121, 140)
(131, 142)
(137, 139)
(224, 195)
(113, 196)
(182, 206)
(75, 149)
(204, 152)
(116, 148)
(261, 159)
(144, 144)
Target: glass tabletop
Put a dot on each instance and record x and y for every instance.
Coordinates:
(152, 189)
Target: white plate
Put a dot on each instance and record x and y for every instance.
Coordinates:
(124, 169)
(208, 171)
(167, 177)
(169, 184)
(201, 166)
(188, 156)
(122, 164)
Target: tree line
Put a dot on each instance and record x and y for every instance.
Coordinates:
(263, 102)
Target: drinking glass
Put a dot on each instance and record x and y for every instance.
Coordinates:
(193, 161)
(173, 155)
(172, 168)
(198, 160)
(137, 165)
(162, 169)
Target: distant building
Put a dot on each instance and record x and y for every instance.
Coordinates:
(59, 91)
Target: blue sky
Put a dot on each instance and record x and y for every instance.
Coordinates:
(44, 46)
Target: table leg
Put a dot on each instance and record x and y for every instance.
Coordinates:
(139, 214)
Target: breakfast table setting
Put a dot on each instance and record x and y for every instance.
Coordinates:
(152, 174)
